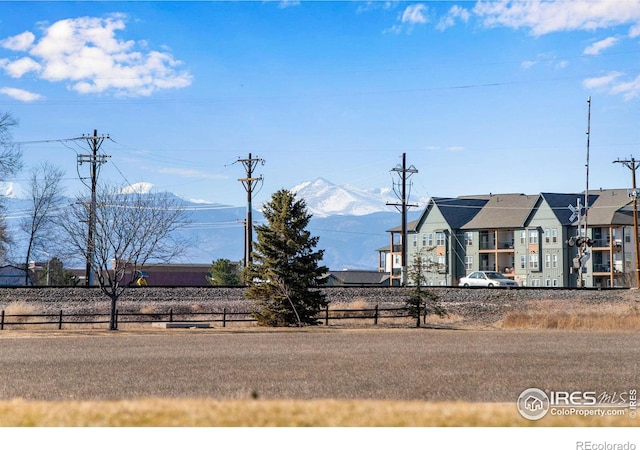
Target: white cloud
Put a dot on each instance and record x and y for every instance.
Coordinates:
(20, 94)
(20, 42)
(543, 17)
(415, 14)
(600, 82)
(613, 83)
(629, 89)
(86, 53)
(19, 67)
(456, 12)
(455, 148)
(597, 47)
(545, 59)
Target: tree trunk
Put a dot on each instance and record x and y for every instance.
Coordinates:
(113, 325)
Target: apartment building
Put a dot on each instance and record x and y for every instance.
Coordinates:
(525, 237)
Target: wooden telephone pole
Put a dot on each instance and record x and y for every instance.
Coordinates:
(249, 182)
(95, 142)
(633, 165)
(404, 173)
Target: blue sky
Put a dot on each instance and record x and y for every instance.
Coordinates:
(481, 96)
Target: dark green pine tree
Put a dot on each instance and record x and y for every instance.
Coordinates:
(285, 273)
(224, 273)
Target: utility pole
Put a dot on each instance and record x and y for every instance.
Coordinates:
(95, 142)
(633, 165)
(404, 173)
(249, 182)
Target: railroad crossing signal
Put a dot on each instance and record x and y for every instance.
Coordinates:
(575, 213)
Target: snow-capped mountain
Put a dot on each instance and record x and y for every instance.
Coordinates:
(351, 224)
(325, 199)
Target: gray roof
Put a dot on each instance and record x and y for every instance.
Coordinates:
(611, 207)
(411, 227)
(504, 211)
(559, 204)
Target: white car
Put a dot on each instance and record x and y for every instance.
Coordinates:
(486, 278)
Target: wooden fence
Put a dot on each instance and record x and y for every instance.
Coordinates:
(223, 317)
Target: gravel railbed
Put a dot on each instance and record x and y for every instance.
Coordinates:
(472, 306)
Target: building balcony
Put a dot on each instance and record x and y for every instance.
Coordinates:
(501, 246)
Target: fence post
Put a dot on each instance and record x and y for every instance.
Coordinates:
(170, 314)
(375, 316)
(60, 321)
(224, 317)
(2, 321)
(326, 315)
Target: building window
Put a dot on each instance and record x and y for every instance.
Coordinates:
(424, 239)
(415, 240)
(547, 282)
(547, 261)
(533, 236)
(396, 260)
(468, 262)
(554, 261)
(383, 260)
(523, 262)
(430, 239)
(442, 264)
(554, 235)
(468, 238)
(523, 237)
(535, 283)
(440, 239)
(555, 282)
(547, 235)
(533, 261)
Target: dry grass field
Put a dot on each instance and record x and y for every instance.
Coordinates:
(166, 412)
(304, 377)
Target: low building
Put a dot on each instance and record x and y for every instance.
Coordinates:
(361, 278)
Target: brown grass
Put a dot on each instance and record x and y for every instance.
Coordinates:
(278, 413)
(19, 308)
(567, 316)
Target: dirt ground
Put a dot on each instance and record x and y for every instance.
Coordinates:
(399, 364)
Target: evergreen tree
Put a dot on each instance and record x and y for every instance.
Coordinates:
(285, 273)
(223, 273)
(422, 301)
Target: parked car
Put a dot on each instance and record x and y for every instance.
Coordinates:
(486, 278)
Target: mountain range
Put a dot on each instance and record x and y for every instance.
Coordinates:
(351, 225)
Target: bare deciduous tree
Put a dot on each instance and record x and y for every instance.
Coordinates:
(130, 230)
(10, 163)
(45, 200)
(10, 153)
